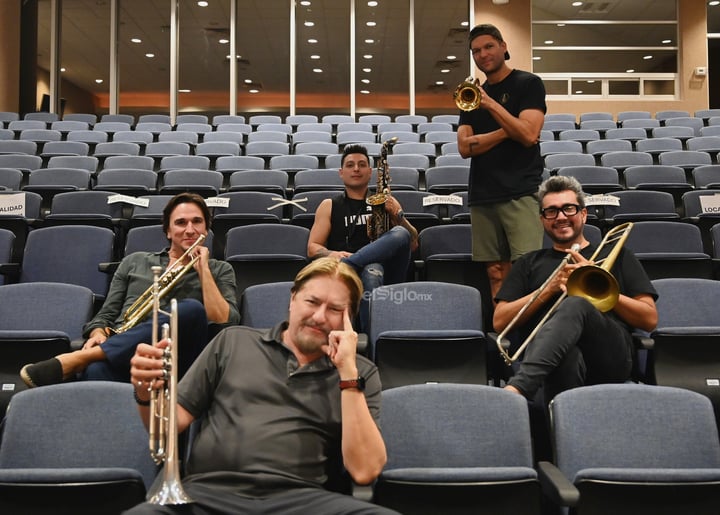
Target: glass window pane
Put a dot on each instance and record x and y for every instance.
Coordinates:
(382, 48)
(442, 55)
(144, 57)
(323, 57)
(204, 77)
(604, 40)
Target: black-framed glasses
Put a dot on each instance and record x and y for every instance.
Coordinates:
(550, 213)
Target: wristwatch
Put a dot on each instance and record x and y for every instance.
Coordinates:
(358, 383)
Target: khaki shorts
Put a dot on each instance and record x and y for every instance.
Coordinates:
(504, 231)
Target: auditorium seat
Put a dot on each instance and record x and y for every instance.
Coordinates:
(450, 451)
(655, 450)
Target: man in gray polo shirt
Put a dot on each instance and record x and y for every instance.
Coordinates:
(280, 408)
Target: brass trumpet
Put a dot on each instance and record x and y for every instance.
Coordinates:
(162, 425)
(467, 95)
(144, 304)
(593, 282)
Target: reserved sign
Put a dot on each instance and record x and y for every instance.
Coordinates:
(12, 204)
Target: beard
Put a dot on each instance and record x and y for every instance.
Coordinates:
(309, 341)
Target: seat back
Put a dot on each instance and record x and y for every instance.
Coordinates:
(69, 254)
(426, 331)
(435, 461)
(58, 440)
(633, 426)
(264, 305)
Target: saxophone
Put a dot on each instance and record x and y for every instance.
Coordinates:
(379, 220)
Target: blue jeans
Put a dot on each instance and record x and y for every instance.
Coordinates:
(383, 261)
(119, 348)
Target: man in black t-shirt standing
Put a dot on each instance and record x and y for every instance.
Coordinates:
(501, 136)
(340, 230)
(578, 345)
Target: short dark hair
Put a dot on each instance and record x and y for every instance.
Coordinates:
(487, 29)
(183, 198)
(558, 183)
(353, 149)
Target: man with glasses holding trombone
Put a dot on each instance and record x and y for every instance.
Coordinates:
(579, 344)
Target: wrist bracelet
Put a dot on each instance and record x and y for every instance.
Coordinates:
(138, 400)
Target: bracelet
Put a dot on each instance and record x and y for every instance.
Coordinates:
(138, 400)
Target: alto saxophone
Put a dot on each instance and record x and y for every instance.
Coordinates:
(379, 220)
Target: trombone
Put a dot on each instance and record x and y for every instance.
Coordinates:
(592, 282)
(162, 425)
(144, 303)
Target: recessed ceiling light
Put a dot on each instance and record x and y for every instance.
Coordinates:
(312, 41)
(666, 41)
(630, 71)
(439, 83)
(248, 81)
(549, 41)
(577, 4)
(317, 70)
(579, 92)
(647, 57)
(369, 41)
(136, 40)
(365, 81)
(62, 69)
(591, 82)
(184, 90)
(452, 57)
(714, 3)
(444, 70)
(314, 56)
(99, 81)
(560, 24)
(537, 58)
(372, 3)
(223, 41)
(149, 55)
(254, 90)
(309, 23)
(371, 24)
(364, 92)
(367, 56)
(203, 3)
(367, 70)
(305, 3)
(465, 24)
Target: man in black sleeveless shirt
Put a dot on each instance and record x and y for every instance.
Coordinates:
(340, 230)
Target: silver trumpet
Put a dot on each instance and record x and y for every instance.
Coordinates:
(162, 426)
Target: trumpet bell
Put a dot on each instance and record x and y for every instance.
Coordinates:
(596, 285)
(467, 95)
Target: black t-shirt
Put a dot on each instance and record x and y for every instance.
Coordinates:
(348, 224)
(531, 270)
(509, 170)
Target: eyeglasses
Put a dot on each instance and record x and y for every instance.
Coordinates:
(550, 213)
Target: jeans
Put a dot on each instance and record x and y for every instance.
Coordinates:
(383, 261)
(120, 348)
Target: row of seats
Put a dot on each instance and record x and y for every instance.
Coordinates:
(655, 450)
(257, 119)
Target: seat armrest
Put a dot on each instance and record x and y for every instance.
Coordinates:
(556, 486)
(362, 344)
(109, 267)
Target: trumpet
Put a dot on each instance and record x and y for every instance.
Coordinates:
(139, 309)
(467, 95)
(162, 426)
(592, 282)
